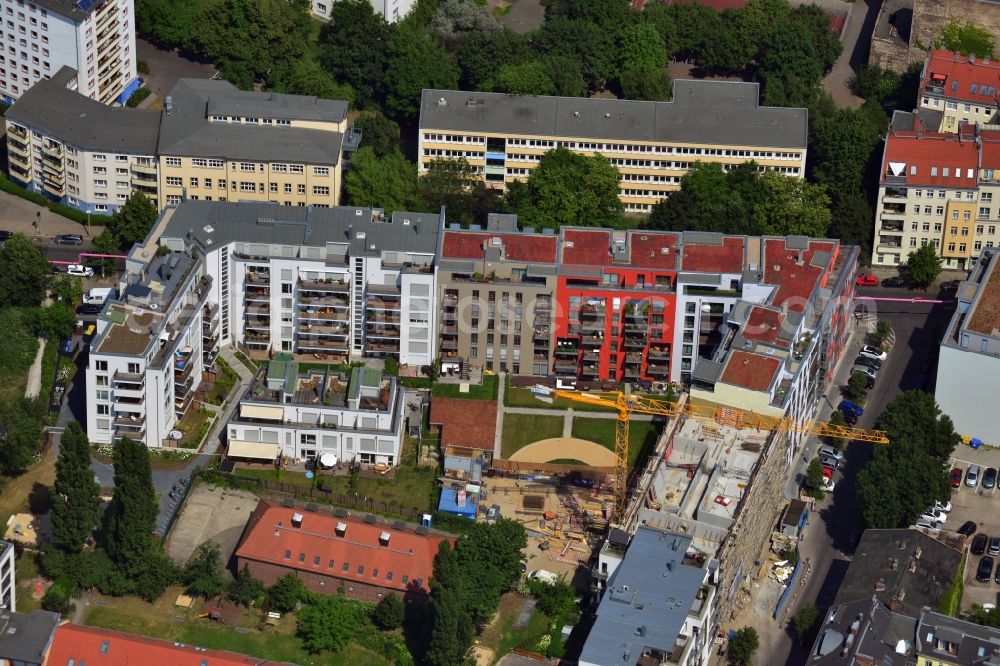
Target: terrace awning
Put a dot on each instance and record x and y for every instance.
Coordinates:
(259, 412)
(256, 450)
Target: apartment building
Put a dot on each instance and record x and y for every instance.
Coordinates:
(390, 10)
(218, 143)
(652, 144)
(289, 412)
(80, 152)
(8, 581)
(956, 89)
(659, 605)
(95, 38)
(969, 360)
(937, 188)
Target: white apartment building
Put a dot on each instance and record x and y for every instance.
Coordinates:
(78, 151)
(305, 415)
(652, 144)
(8, 582)
(390, 10)
(95, 38)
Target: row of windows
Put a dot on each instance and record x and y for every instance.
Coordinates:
(249, 120)
(345, 567)
(967, 108)
(248, 167)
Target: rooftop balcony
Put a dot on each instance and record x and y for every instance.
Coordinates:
(323, 314)
(326, 285)
(259, 277)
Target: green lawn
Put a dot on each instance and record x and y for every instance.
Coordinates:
(195, 425)
(641, 435)
(500, 635)
(224, 383)
(519, 430)
(522, 397)
(157, 620)
(485, 391)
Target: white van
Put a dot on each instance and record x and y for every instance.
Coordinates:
(97, 295)
(544, 576)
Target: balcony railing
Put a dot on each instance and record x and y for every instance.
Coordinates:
(324, 286)
(259, 278)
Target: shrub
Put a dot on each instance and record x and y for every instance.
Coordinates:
(136, 98)
(389, 613)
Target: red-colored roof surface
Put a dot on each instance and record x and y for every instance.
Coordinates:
(404, 564)
(647, 249)
(753, 372)
(940, 152)
(517, 247)
(592, 248)
(464, 422)
(957, 75)
(74, 644)
(795, 282)
(763, 325)
(990, 151)
(724, 258)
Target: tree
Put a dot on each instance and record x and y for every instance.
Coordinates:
(20, 420)
(415, 62)
(455, 19)
(489, 557)
(24, 272)
(568, 189)
(133, 221)
(130, 517)
(795, 59)
(454, 183)
(642, 64)
(389, 613)
(253, 40)
(524, 78)
(923, 266)
(857, 385)
(874, 81)
(966, 38)
(836, 419)
(851, 221)
(203, 573)
(308, 78)
(389, 182)
(328, 623)
(883, 330)
(353, 49)
(378, 133)
(743, 645)
(20, 344)
(286, 594)
(75, 495)
(986, 617)
(582, 41)
(170, 23)
(106, 242)
(813, 482)
(245, 589)
(557, 600)
(805, 619)
(451, 627)
(481, 55)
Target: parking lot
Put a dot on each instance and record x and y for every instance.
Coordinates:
(981, 506)
(212, 514)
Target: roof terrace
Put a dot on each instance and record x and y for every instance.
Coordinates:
(283, 381)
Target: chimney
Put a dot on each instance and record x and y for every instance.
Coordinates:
(880, 585)
(893, 564)
(296, 519)
(341, 529)
(917, 552)
(383, 539)
(913, 565)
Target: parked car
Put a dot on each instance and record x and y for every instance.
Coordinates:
(968, 528)
(872, 363)
(867, 281)
(943, 506)
(984, 570)
(934, 515)
(89, 309)
(979, 543)
(830, 462)
(972, 476)
(873, 352)
(5, 235)
(950, 287)
(871, 373)
(831, 452)
(956, 477)
(994, 547)
(79, 270)
(847, 407)
(544, 576)
(894, 282)
(829, 485)
(929, 524)
(990, 477)
(68, 239)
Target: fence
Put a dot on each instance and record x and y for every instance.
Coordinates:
(522, 467)
(790, 592)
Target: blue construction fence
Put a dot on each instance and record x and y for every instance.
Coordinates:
(787, 593)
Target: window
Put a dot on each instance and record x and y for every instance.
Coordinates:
(216, 164)
(316, 561)
(288, 188)
(174, 181)
(248, 187)
(331, 564)
(288, 554)
(302, 557)
(345, 566)
(194, 182)
(199, 162)
(248, 166)
(361, 569)
(375, 573)
(101, 366)
(296, 168)
(222, 183)
(321, 191)
(302, 188)
(274, 187)
(951, 247)
(173, 161)
(321, 171)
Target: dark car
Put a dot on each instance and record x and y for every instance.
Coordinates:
(68, 239)
(868, 362)
(968, 528)
(994, 547)
(89, 309)
(979, 544)
(990, 477)
(894, 282)
(956, 477)
(949, 287)
(984, 570)
(5, 235)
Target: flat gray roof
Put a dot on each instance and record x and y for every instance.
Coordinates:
(724, 113)
(647, 600)
(26, 638)
(76, 10)
(83, 122)
(364, 230)
(186, 129)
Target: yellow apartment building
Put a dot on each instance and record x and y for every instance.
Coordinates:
(653, 144)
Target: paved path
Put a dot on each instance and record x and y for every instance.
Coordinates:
(498, 437)
(17, 214)
(34, 386)
(585, 451)
(861, 16)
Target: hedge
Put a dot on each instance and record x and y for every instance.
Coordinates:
(136, 98)
(10, 187)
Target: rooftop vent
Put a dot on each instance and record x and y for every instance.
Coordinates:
(340, 513)
(370, 518)
(442, 101)
(383, 539)
(296, 519)
(312, 506)
(357, 212)
(287, 503)
(341, 529)
(208, 228)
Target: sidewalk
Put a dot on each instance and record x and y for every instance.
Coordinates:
(17, 214)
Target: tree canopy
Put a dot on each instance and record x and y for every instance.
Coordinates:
(24, 272)
(743, 201)
(328, 623)
(388, 182)
(203, 573)
(75, 494)
(286, 593)
(966, 38)
(130, 517)
(923, 266)
(353, 49)
(743, 645)
(132, 222)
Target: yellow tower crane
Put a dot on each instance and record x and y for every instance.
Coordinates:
(626, 404)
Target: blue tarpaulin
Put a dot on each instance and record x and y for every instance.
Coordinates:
(459, 502)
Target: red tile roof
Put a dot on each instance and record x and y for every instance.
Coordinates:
(990, 151)
(591, 248)
(795, 280)
(517, 247)
(646, 249)
(753, 372)
(466, 423)
(705, 258)
(958, 74)
(954, 162)
(74, 644)
(404, 564)
(764, 325)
